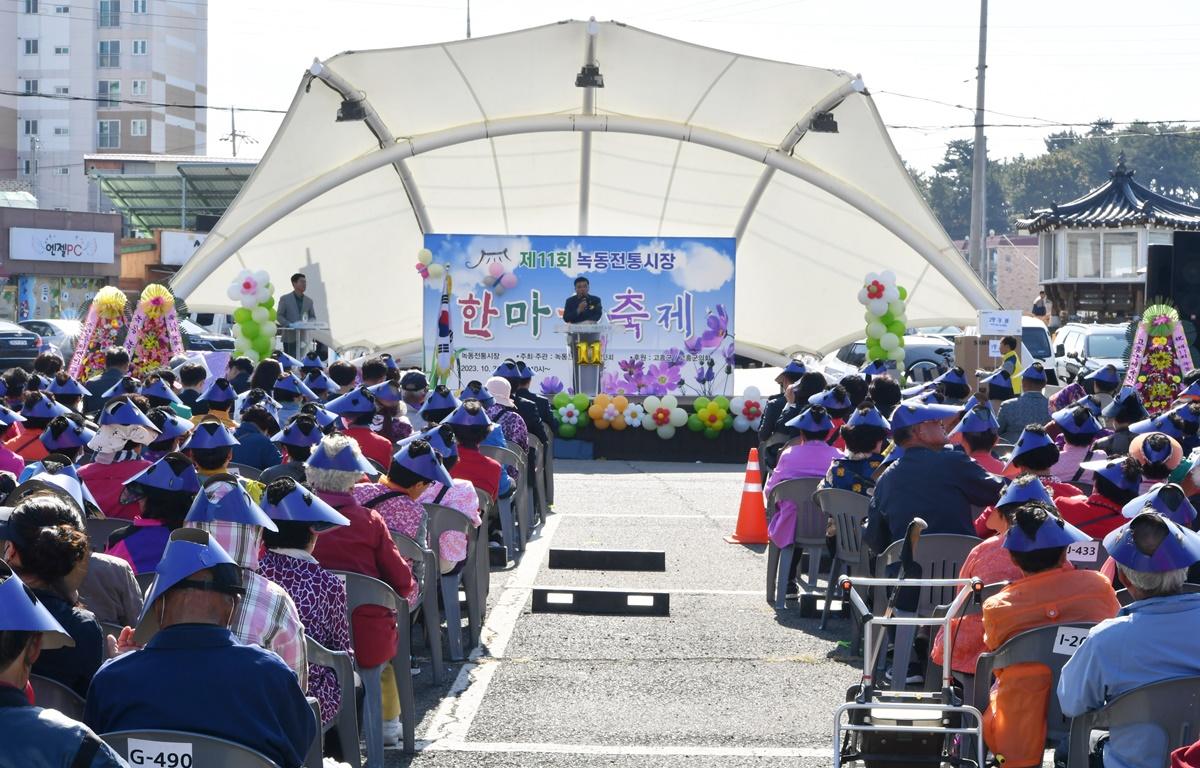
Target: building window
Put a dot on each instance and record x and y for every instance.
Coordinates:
(31, 86)
(109, 92)
(62, 90)
(63, 170)
(139, 47)
(61, 50)
(31, 128)
(1083, 255)
(138, 87)
(1120, 254)
(1048, 256)
(62, 9)
(108, 134)
(110, 54)
(27, 167)
(31, 6)
(139, 6)
(31, 46)
(62, 131)
(110, 13)
(137, 127)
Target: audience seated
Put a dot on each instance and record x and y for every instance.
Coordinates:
(505, 413)
(978, 432)
(1079, 428)
(124, 429)
(1125, 410)
(1029, 407)
(164, 492)
(296, 442)
(358, 410)
(255, 448)
(1034, 454)
(1115, 482)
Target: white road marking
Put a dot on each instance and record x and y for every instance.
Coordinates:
(638, 589)
(626, 749)
(649, 517)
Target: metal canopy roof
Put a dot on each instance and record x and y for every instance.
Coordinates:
(172, 201)
(1120, 202)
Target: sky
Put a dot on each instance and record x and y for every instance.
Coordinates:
(1049, 62)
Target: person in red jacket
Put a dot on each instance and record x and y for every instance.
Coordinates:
(1115, 482)
(124, 429)
(357, 409)
(38, 409)
(470, 424)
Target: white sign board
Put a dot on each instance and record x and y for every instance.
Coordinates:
(1068, 640)
(60, 245)
(1000, 322)
(1084, 552)
(160, 754)
(993, 347)
(176, 248)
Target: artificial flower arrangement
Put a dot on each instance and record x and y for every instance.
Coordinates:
(154, 336)
(101, 330)
(1158, 358)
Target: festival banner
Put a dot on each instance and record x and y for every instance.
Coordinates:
(668, 300)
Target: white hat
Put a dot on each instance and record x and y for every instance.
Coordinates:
(501, 391)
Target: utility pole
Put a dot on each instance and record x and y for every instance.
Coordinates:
(233, 136)
(34, 145)
(979, 157)
(468, 19)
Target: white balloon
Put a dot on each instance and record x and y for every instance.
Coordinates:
(737, 404)
(875, 329)
(897, 354)
(262, 278)
(235, 292)
(868, 317)
(889, 341)
(259, 314)
(436, 270)
(740, 424)
(268, 328)
(895, 307)
(666, 432)
(252, 354)
(887, 277)
(670, 402)
(877, 307)
(679, 417)
(752, 393)
(249, 302)
(425, 256)
(871, 277)
(651, 404)
(237, 333)
(891, 293)
(862, 296)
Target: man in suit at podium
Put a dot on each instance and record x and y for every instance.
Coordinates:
(293, 308)
(582, 307)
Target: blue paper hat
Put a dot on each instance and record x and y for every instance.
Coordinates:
(978, 419)
(428, 466)
(462, 417)
(439, 401)
(868, 417)
(1168, 500)
(74, 436)
(300, 505)
(434, 438)
(294, 434)
(162, 475)
(953, 376)
(353, 403)
(1026, 442)
(413, 381)
(1190, 392)
(9, 416)
(63, 481)
(525, 371)
(289, 382)
(1180, 548)
(125, 414)
(156, 387)
(998, 378)
(220, 391)
(813, 419)
(286, 361)
(912, 412)
(386, 392)
(1113, 470)
(323, 416)
(388, 361)
(1105, 375)
(1092, 404)
(796, 368)
(932, 397)
(1052, 533)
(1160, 423)
(872, 368)
(1126, 399)
(44, 407)
(973, 402)
(345, 460)
(68, 388)
(1186, 412)
(312, 360)
(1035, 372)
(188, 552)
(830, 400)
(174, 427)
(1024, 492)
(319, 380)
(508, 370)
(477, 393)
(222, 499)
(210, 434)
(126, 385)
(21, 611)
(1077, 420)
(917, 390)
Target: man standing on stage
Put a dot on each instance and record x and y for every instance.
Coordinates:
(582, 307)
(293, 308)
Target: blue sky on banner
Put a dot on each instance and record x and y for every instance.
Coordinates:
(657, 293)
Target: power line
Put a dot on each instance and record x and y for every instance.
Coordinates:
(137, 102)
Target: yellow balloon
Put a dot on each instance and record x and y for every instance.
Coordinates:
(621, 402)
(595, 411)
(619, 423)
(602, 401)
(600, 424)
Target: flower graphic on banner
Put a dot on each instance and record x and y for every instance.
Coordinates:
(551, 385)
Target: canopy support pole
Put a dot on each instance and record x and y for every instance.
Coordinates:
(585, 148)
(376, 125)
(835, 97)
(948, 262)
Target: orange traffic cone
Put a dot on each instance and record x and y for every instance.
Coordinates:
(752, 516)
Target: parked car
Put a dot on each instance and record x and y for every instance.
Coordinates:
(920, 351)
(18, 346)
(196, 338)
(1080, 348)
(59, 332)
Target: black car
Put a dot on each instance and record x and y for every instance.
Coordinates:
(18, 347)
(196, 338)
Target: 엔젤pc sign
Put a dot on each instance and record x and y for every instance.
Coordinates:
(668, 303)
(62, 245)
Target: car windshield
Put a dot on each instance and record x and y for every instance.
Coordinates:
(1037, 341)
(187, 326)
(1110, 345)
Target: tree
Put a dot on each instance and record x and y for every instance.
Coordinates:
(950, 192)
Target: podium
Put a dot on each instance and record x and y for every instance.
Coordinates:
(586, 343)
(299, 334)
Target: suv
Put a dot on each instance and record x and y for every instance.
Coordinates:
(934, 350)
(1082, 348)
(196, 338)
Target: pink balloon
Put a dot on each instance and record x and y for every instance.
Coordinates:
(495, 270)
(509, 280)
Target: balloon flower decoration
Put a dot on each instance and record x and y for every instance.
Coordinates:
(607, 411)
(711, 416)
(498, 279)
(747, 410)
(885, 316)
(663, 415)
(153, 337)
(427, 269)
(571, 413)
(254, 329)
(101, 330)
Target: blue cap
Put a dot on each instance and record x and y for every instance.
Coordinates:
(220, 391)
(917, 390)
(912, 412)
(796, 368)
(434, 438)
(813, 419)
(222, 499)
(300, 505)
(289, 382)
(188, 551)
(953, 376)
(1026, 442)
(323, 416)
(868, 417)
(9, 416)
(1104, 375)
(413, 381)
(68, 388)
(353, 403)
(312, 360)
(1188, 412)
(872, 368)
(346, 460)
(286, 361)
(123, 413)
(998, 378)
(508, 370)
(1126, 400)
(1052, 533)
(1091, 403)
(1035, 372)
(1025, 492)
(1113, 470)
(319, 380)
(173, 427)
(1180, 548)
(979, 418)
(156, 387)
(830, 400)
(1160, 423)
(525, 371)
(1077, 420)
(386, 391)
(388, 361)
(1168, 500)
(1190, 392)
(295, 434)
(428, 466)
(210, 434)
(126, 385)
(76, 435)
(21, 611)
(44, 408)
(462, 417)
(162, 475)
(477, 393)
(439, 401)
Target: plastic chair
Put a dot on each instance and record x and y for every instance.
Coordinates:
(548, 465)
(809, 537)
(100, 528)
(538, 462)
(848, 510)
(206, 750)
(1124, 598)
(424, 564)
(346, 719)
(441, 520)
(1032, 646)
(364, 590)
(244, 471)
(525, 509)
(508, 508)
(1169, 707)
(315, 758)
(487, 511)
(51, 694)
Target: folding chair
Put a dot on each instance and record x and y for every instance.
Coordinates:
(315, 757)
(1037, 646)
(548, 465)
(441, 520)
(204, 750)
(244, 471)
(364, 590)
(1170, 709)
(51, 694)
(809, 538)
(100, 528)
(537, 479)
(525, 511)
(1124, 598)
(424, 570)
(508, 508)
(346, 719)
(483, 564)
(848, 510)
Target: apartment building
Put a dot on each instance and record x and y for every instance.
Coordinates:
(94, 77)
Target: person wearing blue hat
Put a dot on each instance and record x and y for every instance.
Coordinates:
(295, 441)
(1079, 428)
(1047, 593)
(1029, 407)
(438, 405)
(116, 365)
(1155, 635)
(311, 362)
(999, 384)
(414, 386)
(788, 376)
(1158, 453)
(255, 447)
(978, 432)
(219, 400)
(1034, 454)
(864, 434)
(172, 428)
(874, 368)
(358, 410)
(391, 417)
(459, 494)
(286, 361)
(523, 391)
(67, 391)
(1189, 415)
(37, 409)
(954, 386)
(1115, 482)
(475, 391)
(164, 492)
(290, 392)
(320, 384)
(472, 428)
(67, 436)
(1125, 410)
(239, 692)
(210, 447)
(927, 481)
(1103, 383)
(126, 385)
(159, 391)
(33, 736)
(327, 420)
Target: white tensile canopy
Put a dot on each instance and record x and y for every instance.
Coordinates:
(493, 136)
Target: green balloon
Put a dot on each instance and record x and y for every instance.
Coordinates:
(269, 303)
(711, 434)
(722, 402)
(694, 423)
(262, 345)
(896, 328)
(251, 330)
(581, 401)
(700, 404)
(728, 422)
(561, 399)
(241, 315)
(271, 315)
(566, 430)
(887, 318)
(903, 292)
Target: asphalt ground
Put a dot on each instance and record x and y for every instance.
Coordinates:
(725, 680)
